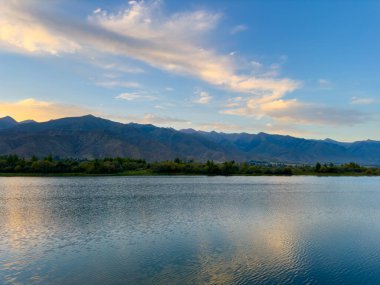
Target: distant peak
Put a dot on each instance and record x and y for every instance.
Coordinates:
(8, 119)
(188, 130)
(27, 122)
(89, 116)
(7, 122)
(83, 117)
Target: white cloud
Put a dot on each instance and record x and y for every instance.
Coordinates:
(161, 120)
(165, 106)
(149, 118)
(116, 66)
(203, 97)
(238, 29)
(232, 104)
(293, 111)
(283, 128)
(96, 11)
(256, 65)
(362, 101)
(134, 96)
(117, 83)
(325, 84)
(219, 127)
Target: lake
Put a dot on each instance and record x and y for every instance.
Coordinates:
(190, 230)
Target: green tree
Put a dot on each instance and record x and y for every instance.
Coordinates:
(318, 167)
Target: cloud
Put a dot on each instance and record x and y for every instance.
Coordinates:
(232, 104)
(117, 83)
(134, 96)
(40, 110)
(218, 127)
(142, 32)
(325, 84)
(256, 65)
(238, 29)
(173, 43)
(21, 30)
(165, 106)
(362, 101)
(149, 118)
(283, 128)
(116, 66)
(97, 10)
(154, 119)
(293, 111)
(203, 97)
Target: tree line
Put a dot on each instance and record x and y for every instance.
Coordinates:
(119, 166)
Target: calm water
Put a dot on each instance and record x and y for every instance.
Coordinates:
(190, 230)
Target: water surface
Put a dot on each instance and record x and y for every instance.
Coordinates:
(190, 230)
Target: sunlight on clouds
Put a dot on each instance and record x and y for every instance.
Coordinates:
(145, 20)
(169, 43)
(39, 110)
(42, 111)
(298, 112)
(20, 30)
(149, 118)
(173, 43)
(33, 103)
(219, 127)
(293, 111)
(284, 128)
(203, 97)
(154, 119)
(142, 32)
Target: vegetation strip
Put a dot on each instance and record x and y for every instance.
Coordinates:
(12, 165)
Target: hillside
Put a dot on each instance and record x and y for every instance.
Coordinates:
(92, 137)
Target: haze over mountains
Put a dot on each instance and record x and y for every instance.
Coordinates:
(93, 137)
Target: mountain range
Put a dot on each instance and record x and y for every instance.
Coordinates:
(92, 137)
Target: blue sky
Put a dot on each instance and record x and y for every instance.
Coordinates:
(303, 68)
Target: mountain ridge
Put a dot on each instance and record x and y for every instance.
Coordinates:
(93, 137)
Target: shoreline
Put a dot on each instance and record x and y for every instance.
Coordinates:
(47, 175)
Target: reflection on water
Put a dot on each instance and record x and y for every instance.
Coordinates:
(190, 230)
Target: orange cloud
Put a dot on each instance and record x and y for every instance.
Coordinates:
(19, 29)
(39, 110)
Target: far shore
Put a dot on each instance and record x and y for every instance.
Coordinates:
(143, 173)
(13, 165)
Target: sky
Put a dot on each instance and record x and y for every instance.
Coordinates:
(302, 68)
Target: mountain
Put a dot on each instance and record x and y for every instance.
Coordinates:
(93, 137)
(7, 122)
